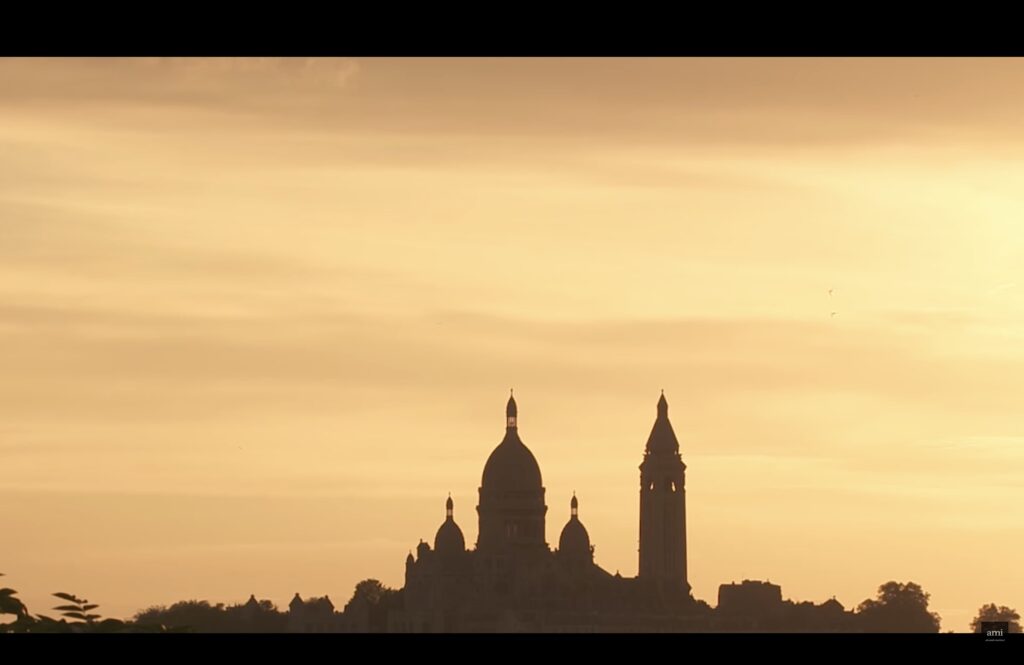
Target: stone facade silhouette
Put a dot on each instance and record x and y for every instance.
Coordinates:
(513, 581)
(663, 506)
(316, 615)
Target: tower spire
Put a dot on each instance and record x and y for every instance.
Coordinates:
(663, 506)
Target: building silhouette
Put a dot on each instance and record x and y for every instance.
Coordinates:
(512, 580)
(663, 506)
(315, 615)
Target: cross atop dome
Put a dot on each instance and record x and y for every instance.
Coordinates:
(511, 411)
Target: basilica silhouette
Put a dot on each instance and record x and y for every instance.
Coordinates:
(513, 581)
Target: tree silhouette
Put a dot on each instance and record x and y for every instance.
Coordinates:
(368, 591)
(200, 616)
(899, 608)
(991, 612)
(370, 604)
(80, 610)
(195, 615)
(9, 604)
(77, 609)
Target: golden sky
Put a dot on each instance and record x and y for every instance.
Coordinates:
(258, 317)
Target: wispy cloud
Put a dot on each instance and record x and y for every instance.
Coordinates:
(154, 85)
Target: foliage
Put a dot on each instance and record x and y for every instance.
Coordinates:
(201, 617)
(77, 608)
(371, 592)
(992, 612)
(368, 609)
(899, 608)
(11, 604)
(77, 616)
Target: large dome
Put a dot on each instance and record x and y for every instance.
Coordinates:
(511, 467)
(511, 505)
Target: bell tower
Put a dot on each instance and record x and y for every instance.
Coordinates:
(663, 507)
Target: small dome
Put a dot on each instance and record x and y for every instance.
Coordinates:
(574, 541)
(449, 539)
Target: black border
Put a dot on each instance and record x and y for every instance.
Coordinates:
(506, 30)
(293, 30)
(483, 648)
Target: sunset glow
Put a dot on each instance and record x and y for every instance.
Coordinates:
(259, 317)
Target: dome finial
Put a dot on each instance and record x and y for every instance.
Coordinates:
(574, 505)
(449, 507)
(511, 411)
